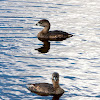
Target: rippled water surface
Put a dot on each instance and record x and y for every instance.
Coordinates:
(76, 59)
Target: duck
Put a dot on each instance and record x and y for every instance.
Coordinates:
(46, 35)
(46, 89)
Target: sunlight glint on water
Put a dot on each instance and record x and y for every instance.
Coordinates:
(76, 59)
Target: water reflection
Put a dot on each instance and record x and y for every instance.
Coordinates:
(45, 48)
(55, 97)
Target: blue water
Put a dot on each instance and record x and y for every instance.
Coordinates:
(76, 59)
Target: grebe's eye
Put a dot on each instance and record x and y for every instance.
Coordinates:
(40, 22)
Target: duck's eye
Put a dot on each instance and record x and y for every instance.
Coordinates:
(40, 22)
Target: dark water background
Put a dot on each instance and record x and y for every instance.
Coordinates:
(76, 59)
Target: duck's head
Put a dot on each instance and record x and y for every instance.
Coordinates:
(55, 77)
(44, 23)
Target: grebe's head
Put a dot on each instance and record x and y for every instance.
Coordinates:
(55, 76)
(44, 23)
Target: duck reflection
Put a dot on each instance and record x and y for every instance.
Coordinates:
(45, 48)
(56, 97)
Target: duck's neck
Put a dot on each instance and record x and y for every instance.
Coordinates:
(45, 30)
(56, 84)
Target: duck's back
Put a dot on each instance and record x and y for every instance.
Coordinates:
(54, 36)
(58, 35)
(43, 89)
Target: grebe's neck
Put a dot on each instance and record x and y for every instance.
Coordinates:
(46, 29)
(56, 84)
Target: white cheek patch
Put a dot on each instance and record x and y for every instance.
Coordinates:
(55, 78)
(38, 24)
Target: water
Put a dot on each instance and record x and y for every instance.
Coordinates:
(76, 59)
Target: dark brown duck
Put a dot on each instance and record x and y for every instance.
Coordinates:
(45, 89)
(46, 35)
